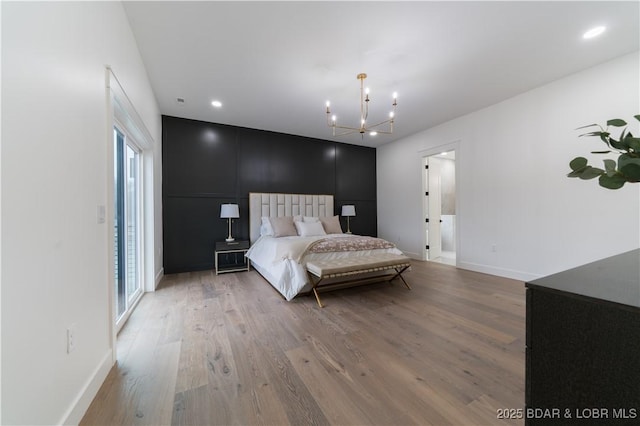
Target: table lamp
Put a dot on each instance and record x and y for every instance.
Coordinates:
(229, 211)
(348, 211)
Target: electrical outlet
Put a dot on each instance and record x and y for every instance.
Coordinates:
(71, 338)
(494, 248)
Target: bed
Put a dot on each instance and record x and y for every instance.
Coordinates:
(291, 239)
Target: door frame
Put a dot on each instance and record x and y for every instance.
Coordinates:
(424, 155)
(120, 111)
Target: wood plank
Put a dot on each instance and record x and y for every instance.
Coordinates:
(192, 369)
(336, 400)
(156, 398)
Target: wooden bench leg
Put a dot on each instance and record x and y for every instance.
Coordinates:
(399, 274)
(314, 285)
(317, 297)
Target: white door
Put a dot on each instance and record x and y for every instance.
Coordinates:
(434, 202)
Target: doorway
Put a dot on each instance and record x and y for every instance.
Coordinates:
(440, 207)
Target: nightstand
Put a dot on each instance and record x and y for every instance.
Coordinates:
(229, 257)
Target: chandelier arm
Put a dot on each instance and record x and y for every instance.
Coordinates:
(355, 129)
(369, 130)
(380, 124)
(350, 132)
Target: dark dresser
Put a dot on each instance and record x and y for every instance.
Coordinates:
(583, 345)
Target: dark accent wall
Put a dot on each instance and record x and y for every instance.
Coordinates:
(205, 165)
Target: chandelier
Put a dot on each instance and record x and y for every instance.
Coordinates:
(365, 127)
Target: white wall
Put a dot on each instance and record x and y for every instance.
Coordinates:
(511, 186)
(54, 175)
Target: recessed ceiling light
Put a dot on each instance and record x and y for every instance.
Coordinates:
(373, 133)
(216, 104)
(594, 32)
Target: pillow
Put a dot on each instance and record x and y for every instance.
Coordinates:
(283, 226)
(309, 229)
(265, 227)
(331, 224)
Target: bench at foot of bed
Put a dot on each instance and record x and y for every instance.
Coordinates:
(354, 267)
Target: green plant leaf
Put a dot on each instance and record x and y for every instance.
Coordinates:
(611, 182)
(621, 145)
(631, 171)
(622, 135)
(610, 167)
(590, 173)
(633, 143)
(578, 163)
(616, 122)
(625, 159)
(606, 138)
(593, 134)
(588, 125)
(637, 117)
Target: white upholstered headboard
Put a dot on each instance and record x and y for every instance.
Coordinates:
(275, 205)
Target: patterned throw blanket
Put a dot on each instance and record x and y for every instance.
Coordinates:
(295, 248)
(354, 243)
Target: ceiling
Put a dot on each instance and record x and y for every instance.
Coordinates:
(273, 65)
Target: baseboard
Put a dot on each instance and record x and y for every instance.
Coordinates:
(159, 276)
(412, 255)
(79, 407)
(500, 272)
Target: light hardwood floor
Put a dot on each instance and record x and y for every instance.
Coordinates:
(206, 349)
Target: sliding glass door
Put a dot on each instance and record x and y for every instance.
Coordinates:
(127, 223)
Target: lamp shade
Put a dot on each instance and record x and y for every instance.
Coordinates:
(229, 211)
(349, 210)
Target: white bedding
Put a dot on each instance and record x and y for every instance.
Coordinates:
(282, 261)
